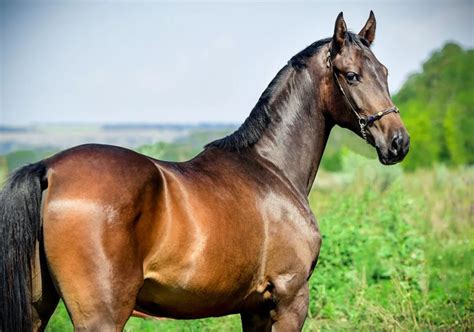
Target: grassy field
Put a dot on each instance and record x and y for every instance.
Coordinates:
(397, 254)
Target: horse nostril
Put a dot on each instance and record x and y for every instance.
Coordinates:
(396, 143)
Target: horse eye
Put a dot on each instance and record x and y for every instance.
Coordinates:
(352, 77)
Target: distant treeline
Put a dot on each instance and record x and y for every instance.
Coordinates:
(437, 106)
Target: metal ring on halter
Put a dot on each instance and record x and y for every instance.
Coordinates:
(363, 124)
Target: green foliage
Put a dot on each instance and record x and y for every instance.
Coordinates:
(182, 149)
(456, 124)
(61, 322)
(16, 159)
(341, 141)
(3, 169)
(437, 108)
(397, 252)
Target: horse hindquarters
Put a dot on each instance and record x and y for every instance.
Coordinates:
(96, 213)
(96, 270)
(95, 267)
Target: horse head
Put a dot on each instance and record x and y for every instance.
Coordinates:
(361, 99)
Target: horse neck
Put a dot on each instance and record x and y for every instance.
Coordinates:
(295, 140)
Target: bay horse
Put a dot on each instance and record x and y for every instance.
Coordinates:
(111, 231)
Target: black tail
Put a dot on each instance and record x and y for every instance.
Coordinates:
(20, 228)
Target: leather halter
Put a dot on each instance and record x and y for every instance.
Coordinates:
(364, 122)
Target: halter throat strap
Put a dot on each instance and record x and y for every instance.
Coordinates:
(364, 122)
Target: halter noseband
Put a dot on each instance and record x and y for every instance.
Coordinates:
(364, 122)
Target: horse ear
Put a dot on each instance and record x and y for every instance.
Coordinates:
(340, 30)
(368, 31)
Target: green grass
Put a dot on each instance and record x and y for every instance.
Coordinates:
(397, 254)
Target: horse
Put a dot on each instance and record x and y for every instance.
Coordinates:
(230, 231)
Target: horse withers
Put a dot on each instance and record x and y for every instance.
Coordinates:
(111, 231)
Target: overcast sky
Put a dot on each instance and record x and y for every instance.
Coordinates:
(135, 61)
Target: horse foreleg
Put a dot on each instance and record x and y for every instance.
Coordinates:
(253, 322)
(287, 313)
(291, 311)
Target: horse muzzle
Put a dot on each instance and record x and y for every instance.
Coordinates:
(395, 149)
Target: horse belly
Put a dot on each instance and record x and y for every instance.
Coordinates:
(174, 301)
(201, 278)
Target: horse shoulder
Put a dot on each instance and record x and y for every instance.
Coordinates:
(294, 241)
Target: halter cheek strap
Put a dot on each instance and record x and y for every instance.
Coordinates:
(364, 122)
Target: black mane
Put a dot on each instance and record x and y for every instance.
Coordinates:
(260, 118)
(255, 124)
(300, 60)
